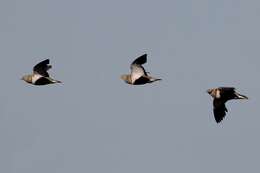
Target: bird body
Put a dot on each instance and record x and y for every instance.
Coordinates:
(220, 96)
(138, 74)
(40, 76)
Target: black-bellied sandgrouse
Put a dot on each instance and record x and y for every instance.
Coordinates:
(138, 74)
(40, 76)
(220, 96)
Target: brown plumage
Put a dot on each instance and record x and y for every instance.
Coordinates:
(40, 75)
(138, 74)
(220, 96)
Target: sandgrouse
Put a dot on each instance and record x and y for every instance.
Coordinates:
(220, 96)
(138, 74)
(40, 76)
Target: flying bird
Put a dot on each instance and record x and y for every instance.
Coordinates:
(40, 76)
(220, 96)
(138, 74)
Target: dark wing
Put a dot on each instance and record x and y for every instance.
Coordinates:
(140, 60)
(219, 109)
(227, 93)
(227, 89)
(42, 68)
(142, 80)
(43, 81)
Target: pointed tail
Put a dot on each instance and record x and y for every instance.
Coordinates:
(54, 80)
(154, 79)
(240, 96)
(57, 81)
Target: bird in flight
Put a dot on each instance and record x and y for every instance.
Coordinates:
(220, 96)
(40, 76)
(138, 74)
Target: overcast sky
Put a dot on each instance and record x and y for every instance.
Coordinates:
(96, 123)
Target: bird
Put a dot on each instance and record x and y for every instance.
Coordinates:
(220, 96)
(138, 74)
(40, 76)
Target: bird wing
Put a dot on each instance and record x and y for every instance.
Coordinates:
(227, 93)
(140, 60)
(42, 68)
(219, 109)
(137, 70)
(43, 81)
(231, 93)
(227, 89)
(142, 80)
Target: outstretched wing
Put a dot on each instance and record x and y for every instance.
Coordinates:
(219, 109)
(42, 68)
(227, 90)
(137, 70)
(227, 93)
(140, 60)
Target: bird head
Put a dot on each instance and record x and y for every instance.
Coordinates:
(126, 78)
(27, 78)
(209, 91)
(214, 92)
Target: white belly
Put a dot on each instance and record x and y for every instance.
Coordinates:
(35, 77)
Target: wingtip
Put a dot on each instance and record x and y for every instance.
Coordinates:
(153, 80)
(242, 97)
(218, 121)
(47, 60)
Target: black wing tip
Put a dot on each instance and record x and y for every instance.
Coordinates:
(46, 61)
(218, 120)
(140, 60)
(219, 114)
(144, 56)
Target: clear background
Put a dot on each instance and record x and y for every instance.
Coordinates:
(96, 123)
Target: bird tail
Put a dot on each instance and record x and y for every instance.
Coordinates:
(57, 81)
(154, 79)
(240, 96)
(54, 80)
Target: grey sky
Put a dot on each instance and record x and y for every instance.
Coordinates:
(96, 123)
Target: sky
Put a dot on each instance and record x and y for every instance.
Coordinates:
(94, 122)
